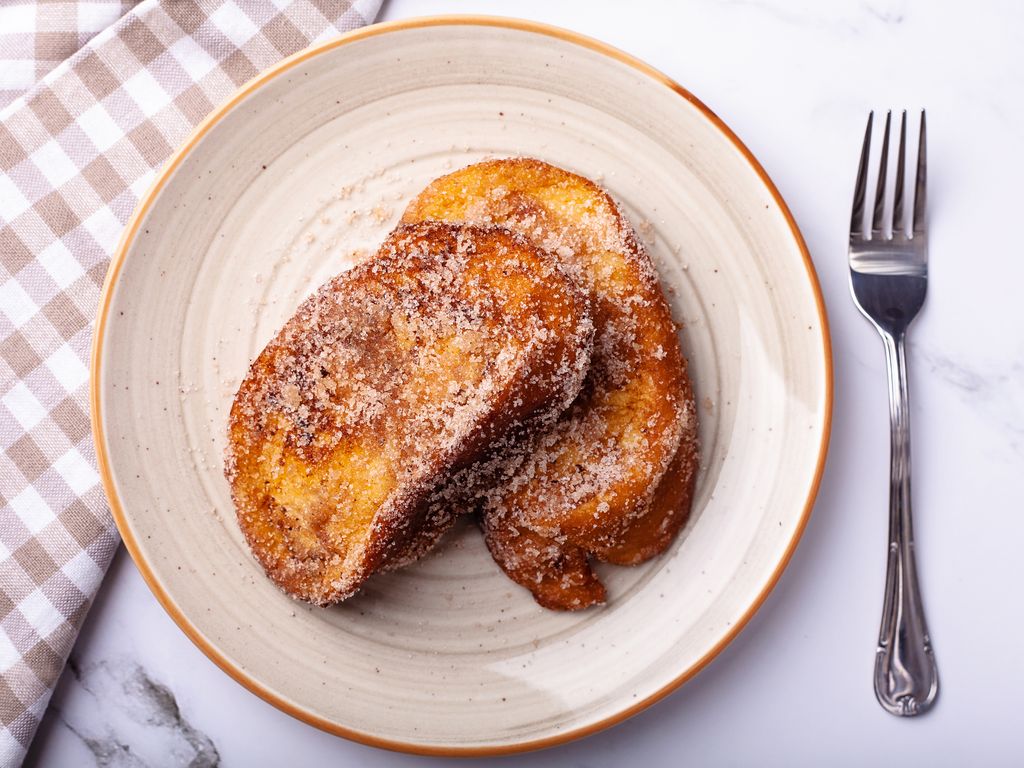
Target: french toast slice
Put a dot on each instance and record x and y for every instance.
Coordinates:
(391, 376)
(614, 476)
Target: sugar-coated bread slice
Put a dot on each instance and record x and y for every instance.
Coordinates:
(389, 378)
(614, 476)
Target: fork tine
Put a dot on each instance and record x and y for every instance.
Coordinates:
(857, 218)
(876, 224)
(919, 188)
(897, 211)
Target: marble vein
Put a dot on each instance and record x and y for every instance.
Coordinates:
(856, 20)
(993, 388)
(127, 719)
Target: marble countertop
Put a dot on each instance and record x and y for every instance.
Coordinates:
(795, 80)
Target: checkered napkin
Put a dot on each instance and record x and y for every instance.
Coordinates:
(122, 84)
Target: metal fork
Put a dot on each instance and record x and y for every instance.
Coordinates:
(889, 278)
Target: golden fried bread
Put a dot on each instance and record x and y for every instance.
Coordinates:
(650, 533)
(558, 574)
(593, 481)
(388, 378)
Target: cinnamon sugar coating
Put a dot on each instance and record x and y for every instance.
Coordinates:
(613, 477)
(393, 375)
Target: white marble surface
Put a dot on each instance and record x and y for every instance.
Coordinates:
(795, 81)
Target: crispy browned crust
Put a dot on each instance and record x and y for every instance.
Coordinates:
(613, 477)
(653, 530)
(559, 575)
(389, 377)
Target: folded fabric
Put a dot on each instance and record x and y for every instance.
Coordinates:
(122, 85)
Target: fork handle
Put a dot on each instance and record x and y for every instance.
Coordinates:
(906, 677)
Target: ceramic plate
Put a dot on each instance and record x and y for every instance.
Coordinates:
(302, 174)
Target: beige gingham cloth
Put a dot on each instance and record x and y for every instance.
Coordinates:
(122, 85)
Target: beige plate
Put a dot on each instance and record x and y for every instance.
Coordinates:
(283, 187)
